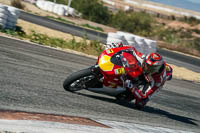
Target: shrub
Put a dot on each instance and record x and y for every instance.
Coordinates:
(168, 35)
(173, 17)
(96, 48)
(140, 23)
(17, 4)
(17, 32)
(190, 20)
(196, 44)
(93, 47)
(92, 10)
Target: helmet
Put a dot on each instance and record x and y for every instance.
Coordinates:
(153, 63)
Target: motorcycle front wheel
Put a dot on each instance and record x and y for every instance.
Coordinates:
(77, 81)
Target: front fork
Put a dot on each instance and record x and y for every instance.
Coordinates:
(96, 82)
(96, 71)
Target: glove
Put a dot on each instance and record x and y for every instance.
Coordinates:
(129, 84)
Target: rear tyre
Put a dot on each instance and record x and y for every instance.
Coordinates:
(76, 81)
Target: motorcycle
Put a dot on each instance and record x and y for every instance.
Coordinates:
(111, 61)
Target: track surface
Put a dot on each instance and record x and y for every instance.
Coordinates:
(31, 79)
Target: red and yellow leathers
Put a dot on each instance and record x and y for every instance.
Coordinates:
(114, 72)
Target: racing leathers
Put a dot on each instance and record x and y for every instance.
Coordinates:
(135, 73)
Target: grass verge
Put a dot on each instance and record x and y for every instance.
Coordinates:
(92, 47)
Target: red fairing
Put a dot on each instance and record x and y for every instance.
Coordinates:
(111, 77)
(117, 50)
(134, 70)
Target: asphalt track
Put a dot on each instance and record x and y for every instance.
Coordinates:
(31, 78)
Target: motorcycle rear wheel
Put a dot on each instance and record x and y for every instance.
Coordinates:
(76, 81)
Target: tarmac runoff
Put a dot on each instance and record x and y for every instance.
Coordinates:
(23, 122)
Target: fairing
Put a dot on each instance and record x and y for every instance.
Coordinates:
(112, 68)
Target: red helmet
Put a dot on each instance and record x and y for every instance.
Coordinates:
(153, 63)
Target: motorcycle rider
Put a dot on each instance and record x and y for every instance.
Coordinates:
(150, 68)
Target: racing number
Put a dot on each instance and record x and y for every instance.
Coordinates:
(120, 71)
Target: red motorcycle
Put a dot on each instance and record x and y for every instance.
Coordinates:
(112, 62)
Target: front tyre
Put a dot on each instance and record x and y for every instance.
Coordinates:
(77, 81)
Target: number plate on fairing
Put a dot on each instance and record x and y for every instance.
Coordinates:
(119, 71)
